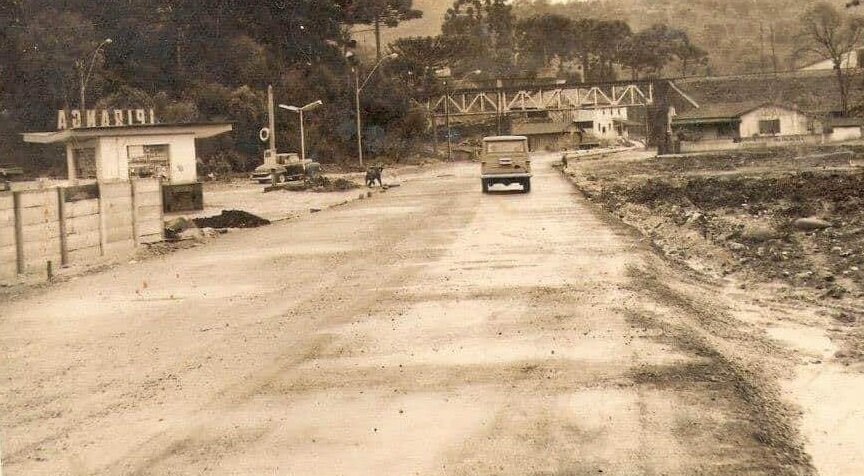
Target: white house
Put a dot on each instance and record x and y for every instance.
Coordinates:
(743, 125)
(741, 121)
(607, 123)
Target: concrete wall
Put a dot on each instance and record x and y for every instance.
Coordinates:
(113, 158)
(76, 224)
(8, 250)
(791, 122)
(840, 134)
(750, 143)
(149, 219)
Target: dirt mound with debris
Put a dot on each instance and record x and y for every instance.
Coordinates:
(748, 214)
(324, 184)
(231, 219)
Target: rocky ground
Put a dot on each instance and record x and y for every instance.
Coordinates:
(791, 218)
(783, 231)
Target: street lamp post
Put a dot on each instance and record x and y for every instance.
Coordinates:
(358, 87)
(85, 77)
(301, 110)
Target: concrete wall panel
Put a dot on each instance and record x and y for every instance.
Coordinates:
(82, 208)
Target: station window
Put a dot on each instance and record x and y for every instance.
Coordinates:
(769, 127)
(149, 161)
(85, 163)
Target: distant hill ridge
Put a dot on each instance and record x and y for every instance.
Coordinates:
(740, 35)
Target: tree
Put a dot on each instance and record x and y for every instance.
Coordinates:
(485, 32)
(546, 37)
(689, 54)
(378, 12)
(652, 49)
(419, 58)
(608, 41)
(10, 49)
(833, 36)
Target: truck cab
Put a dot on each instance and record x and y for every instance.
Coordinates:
(505, 160)
(285, 167)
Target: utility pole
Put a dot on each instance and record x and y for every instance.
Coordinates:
(358, 87)
(377, 39)
(84, 72)
(761, 47)
(271, 116)
(447, 119)
(357, 113)
(434, 132)
(302, 139)
(774, 50)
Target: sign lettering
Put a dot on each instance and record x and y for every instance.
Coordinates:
(75, 119)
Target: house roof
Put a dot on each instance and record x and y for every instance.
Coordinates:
(845, 121)
(200, 130)
(627, 122)
(503, 138)
(723, 112)
(540, 128)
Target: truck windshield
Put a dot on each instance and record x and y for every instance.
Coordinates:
(502, 146)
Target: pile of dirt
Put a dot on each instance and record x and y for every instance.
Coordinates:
(323, 184)
(737, 217)
(231, 219)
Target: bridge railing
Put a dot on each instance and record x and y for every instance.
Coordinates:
(555, 98)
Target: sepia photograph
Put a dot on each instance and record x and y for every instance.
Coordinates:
(432, 237)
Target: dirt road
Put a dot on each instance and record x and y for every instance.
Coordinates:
(429, 330)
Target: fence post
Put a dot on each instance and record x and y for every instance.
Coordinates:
(135, 231)
(61, 213)
(19, 232)
(161, 213)
(103, 233)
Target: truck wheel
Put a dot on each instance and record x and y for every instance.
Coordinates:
(485, 184)
(526, 185)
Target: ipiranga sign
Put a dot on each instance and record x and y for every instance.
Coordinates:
(75, 119)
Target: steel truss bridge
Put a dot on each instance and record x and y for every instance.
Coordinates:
(500, 101)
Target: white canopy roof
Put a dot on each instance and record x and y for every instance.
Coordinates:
(200, 130)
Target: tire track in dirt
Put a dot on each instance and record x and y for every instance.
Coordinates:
(351, 295)
(738, 360)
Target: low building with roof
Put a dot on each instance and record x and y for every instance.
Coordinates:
(134, 146)
(740, 125)
(742, 120)
(843, 128)
(545, 135)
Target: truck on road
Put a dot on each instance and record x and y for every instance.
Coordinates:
(505, 160)
(285, 167)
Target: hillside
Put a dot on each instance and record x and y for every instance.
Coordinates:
(741, 36)
(737, 33)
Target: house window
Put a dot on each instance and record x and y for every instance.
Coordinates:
(149, 161)
(769, 127)
(85, 163)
